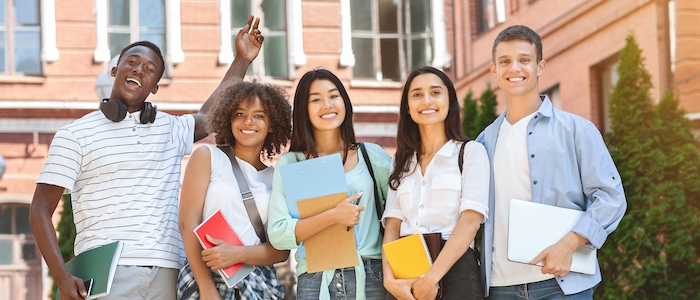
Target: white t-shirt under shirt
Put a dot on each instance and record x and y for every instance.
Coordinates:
(124, 180)
(511, 173)
(223, 193)
(433, 202)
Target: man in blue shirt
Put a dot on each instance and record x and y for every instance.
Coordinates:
(548, 156)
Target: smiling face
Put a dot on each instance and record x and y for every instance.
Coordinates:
(136, 76)
(428, 100)
(516, 68)
(326, 106)
(250, 124)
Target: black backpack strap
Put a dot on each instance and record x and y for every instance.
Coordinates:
(247, 195)
(460, 159)
(365, 155)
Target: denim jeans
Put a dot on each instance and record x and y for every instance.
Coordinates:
(343, 284)
(547, 289)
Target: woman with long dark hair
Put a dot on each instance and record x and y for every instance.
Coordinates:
(322, 125)
(432, 192)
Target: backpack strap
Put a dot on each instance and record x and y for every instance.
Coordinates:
(365, 155)
(247, 195)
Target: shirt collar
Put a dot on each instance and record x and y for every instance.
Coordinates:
(447, 149)
(546, 107)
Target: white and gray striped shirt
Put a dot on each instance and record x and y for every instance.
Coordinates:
(124, 180)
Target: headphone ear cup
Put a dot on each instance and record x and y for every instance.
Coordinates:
(148, 113)
(114, 110)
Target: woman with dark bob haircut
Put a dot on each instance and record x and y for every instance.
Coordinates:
(439, 184)
(322, 126)
(252, 119)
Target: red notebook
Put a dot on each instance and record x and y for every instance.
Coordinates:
(216, 226)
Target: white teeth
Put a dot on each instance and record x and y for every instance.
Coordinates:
(134, 80)
(248, 131)
(328, 116)
(428, 111)
(516, 79)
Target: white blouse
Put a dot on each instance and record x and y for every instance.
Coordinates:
(223, 193)
(433, 202)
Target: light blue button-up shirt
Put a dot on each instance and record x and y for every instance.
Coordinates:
(570, 167)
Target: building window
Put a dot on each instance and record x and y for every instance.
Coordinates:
(554, 96)
(17, 244)
(490, 14)
(20, 37)
(135, 20)
(273, 23)
(604, 78)
(390, 38)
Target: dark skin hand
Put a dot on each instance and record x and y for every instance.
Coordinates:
(44, 203)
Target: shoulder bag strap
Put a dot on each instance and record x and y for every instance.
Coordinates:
(374, 181)
(460, 159)
(247, 195)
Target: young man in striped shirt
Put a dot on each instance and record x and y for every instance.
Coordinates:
(122, 166)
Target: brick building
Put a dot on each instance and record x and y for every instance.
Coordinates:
(52, 53)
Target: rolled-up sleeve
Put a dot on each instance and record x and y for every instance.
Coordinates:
(602, 185)
(280, 224)
(476, 176)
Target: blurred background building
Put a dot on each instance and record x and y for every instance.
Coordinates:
(54, 55)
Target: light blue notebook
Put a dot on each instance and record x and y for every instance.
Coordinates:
(312, 178)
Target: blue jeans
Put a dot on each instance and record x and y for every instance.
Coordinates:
(343, 284)
(548, 289)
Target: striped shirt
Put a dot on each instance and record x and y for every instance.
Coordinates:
(124, 180)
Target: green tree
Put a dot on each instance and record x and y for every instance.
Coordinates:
(652, 254)
(66, 234)
(469, 114)
(476, 115)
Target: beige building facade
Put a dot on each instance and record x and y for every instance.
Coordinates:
(53, 55)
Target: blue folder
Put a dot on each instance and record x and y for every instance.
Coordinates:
(312, 178)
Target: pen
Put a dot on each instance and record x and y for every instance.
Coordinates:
(353, 202)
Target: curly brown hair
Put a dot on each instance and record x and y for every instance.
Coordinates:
(274, 101)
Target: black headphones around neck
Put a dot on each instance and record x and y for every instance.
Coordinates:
(115, 110)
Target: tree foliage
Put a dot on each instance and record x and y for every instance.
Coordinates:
(477, 114)
(66, 234)
(653, 253)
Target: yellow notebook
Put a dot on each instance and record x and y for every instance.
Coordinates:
(408, 256)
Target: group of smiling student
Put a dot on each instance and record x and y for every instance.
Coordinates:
(439, 181)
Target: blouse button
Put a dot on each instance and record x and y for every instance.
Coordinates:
(422, 183)
(421, 206)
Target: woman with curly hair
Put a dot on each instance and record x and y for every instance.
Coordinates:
(322, 126)
(254, 120)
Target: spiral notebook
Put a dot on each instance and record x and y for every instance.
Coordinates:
(532, 227)
(408, 256)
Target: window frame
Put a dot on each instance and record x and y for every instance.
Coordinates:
(19, 240)
(10, 28)
(436, 41)
(294, 55)
(497, 10)
(172, 52)
(376, 36)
